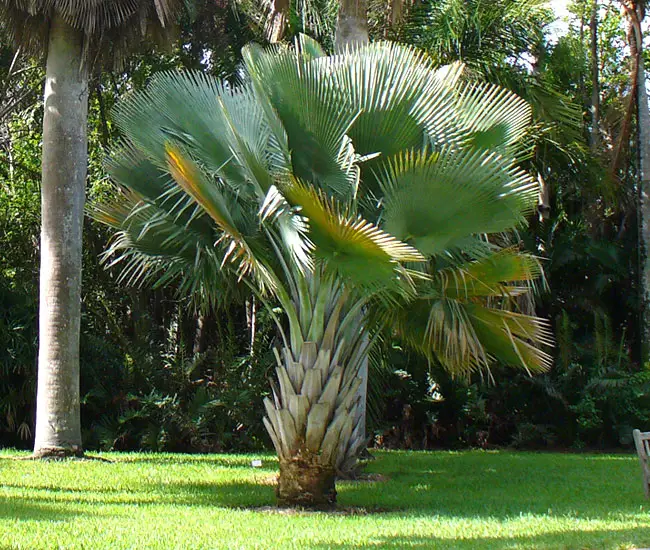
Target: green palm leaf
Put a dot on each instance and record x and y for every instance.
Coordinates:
(356, 248)
(505, 274)
(302, 94)
(435, 200)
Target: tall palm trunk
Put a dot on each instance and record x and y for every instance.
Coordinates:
(58, 428)
(315, 417)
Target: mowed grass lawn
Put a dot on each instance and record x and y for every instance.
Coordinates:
(430, 500)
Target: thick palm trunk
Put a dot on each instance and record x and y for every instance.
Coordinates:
(315, 417)
(58, 428)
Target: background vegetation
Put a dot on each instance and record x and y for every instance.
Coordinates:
(160, 375)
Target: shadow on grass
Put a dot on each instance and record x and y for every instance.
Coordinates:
(597, 539)
(19, 509)
(226, 495)
(447, 485)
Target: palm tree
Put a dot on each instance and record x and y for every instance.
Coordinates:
(75, 35)
(359, 191)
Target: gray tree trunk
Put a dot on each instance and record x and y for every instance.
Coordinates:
(64, 166)
(351, 24)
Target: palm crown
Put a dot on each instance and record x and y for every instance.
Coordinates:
(110, 27)
(359, 191)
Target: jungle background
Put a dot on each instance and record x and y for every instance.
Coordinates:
(159, 374)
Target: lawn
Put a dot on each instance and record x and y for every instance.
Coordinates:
(429, 500)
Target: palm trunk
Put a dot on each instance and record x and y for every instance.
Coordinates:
(314, 419)
(58, 427)
(277, 20)
(351, 24)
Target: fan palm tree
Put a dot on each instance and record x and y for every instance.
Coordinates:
(75, 36)
(358, 191)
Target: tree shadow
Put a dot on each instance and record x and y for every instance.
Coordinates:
(226, 495)
(596, 539)
(17, 508)
(476, 485)
(418, 487)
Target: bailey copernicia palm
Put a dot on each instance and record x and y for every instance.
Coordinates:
(358, 191)
(76, 35)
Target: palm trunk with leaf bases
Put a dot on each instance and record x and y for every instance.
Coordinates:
(315, 418)
(58, 425)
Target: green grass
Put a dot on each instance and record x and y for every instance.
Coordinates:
(461, 500)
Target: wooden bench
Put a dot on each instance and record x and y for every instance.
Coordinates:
(642, 443)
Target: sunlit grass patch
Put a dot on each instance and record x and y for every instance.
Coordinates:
(421, 500)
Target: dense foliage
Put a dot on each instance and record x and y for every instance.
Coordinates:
(158, 374)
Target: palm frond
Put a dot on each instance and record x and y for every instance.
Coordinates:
(303, 95)
(435, 200)
(346, 172)
(356, 248)
(111, 27)
(506, 274)
(492, 118)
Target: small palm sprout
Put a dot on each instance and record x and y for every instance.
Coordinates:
(358, 191)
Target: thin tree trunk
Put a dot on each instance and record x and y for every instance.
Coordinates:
(581, 80)
(643, 123)
(396, 12)
(544, 200)
(58, 426)
(253, 324)
(622, 145)
(106, 135)
(351, 24)
(595, 84)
